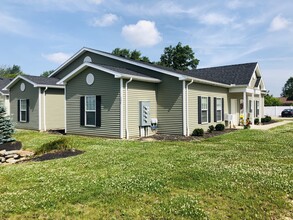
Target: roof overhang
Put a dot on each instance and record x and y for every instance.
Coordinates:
(116, 74)
(16, 79)
(2, 93)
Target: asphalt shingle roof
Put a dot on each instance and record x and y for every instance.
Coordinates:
(126, 71)
(4, 82)
(41, 80)
(239, 74)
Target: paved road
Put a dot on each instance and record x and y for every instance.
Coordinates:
(269, 126)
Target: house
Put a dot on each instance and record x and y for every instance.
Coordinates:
(285, 101)
(4, 95)
(108, 95)
(36, 102)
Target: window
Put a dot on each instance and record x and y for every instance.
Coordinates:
(23, 110)
(219, 109)
(90, 110)
(204, 109)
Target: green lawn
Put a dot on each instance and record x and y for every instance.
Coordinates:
(246, 174)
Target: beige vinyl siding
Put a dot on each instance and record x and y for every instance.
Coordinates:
(55, 109)
(140, 91)
(106, 86)
(30, 93)
(196, 90)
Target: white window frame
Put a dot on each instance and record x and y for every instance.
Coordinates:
(86, 110)
(21, 110)
(220, 109)
(203, 109)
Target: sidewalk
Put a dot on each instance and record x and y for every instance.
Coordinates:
(269, 126)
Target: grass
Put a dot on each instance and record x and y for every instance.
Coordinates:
(241, 175)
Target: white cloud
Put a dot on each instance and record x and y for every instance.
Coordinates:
(105, 20)
(13, 25)
(236, 4)
(142, 34)
(58, 57)
(279, 23)
(215, 19)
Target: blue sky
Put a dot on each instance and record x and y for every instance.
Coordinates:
(39, 35)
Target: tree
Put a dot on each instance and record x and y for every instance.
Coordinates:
(6, 127)
(179, 57)
(10, 72)
(47, 73)
(134, 54)
(272, 101)
(287, 90)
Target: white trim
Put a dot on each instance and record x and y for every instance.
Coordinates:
(184, 108)
(16, 79)
(44, 106)
(126, 108)
(65, 111)
(40, 110)
(121, 109)
(253, 109)
(187, 106)
(106, 70)
(244, 107)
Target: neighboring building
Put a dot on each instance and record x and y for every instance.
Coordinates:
(108, 95)
(4, 95)
(286, 101)
(36, 103)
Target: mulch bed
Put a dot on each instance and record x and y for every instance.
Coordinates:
(165, 137)
(15, 145)
(57, 155)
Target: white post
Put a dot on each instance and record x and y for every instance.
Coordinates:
(244, 107)
(121, 109)
(126, 107)
(187, 107)
(260, 108)
(253, 109)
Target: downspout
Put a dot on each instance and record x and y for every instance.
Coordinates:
(45, 127)
(187, 107)
(184, 108)
(126, 107)
(121, 108)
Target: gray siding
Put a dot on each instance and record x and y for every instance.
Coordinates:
(140, 91)
(196, 90)
(30, 93)
(170, 106)
(108, 88)
(55, 105)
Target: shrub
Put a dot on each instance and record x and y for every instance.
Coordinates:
(198, 132)
(256, 121)
(60, 144)
(266, 119)
(211, 128)
(220, 127)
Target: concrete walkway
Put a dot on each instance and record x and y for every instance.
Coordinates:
(269, 126)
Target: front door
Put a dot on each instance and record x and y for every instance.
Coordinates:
(234, 112)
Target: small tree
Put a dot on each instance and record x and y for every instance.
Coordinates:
(272, 101)
(6, 127)
(287, 90)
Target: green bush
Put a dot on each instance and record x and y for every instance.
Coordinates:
(211, 128)
(60, 144)
(198, 132)
(256, 121)
(220, 127)
(266, 119)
